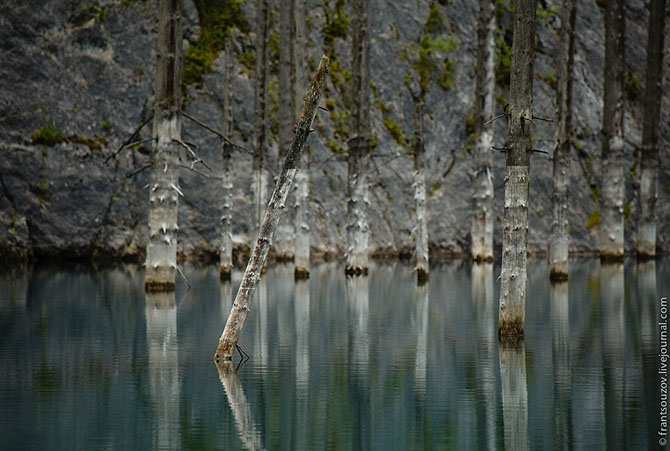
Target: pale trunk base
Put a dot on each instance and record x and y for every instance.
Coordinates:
(514, 255)
(302, 224)
(646, 230)
(482, 206)
(357, 230)
(421, 237)
(611, 227)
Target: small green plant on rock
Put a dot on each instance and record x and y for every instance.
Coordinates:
(47, 136)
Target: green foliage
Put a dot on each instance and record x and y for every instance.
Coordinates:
(337, 23)
(632, 86)
(426, 61)
(215, 24)
(504, 62)
(544, 15)
(433, 189)
(248, 60)
(549, 78)
(594, 220)
(395, 131)
(628, 212)
(47, 136)
(470, 126)
(107, 127)
(435, 19)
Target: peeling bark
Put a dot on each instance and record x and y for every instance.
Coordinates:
(482, 193)
(226, 250)
(558, 242)
(359, 144)
(612, 173)
(421, 233)
(646, 229)
(164, 192)
(252, 274)
(301, 228)
(259, 164)
(513, 275)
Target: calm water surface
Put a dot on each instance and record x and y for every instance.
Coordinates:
(88, 362)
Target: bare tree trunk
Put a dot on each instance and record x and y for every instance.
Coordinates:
(260, 170)
(283, 248)
(612, 181)
(646, 229)
(421, 234)
(252, 274)
(359, 144)
(482, 193)
(161, 262)
(301, 228)
(226, 251)
(558, 243)
(514, 275)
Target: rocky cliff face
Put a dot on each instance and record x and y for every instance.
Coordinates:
(76, 80)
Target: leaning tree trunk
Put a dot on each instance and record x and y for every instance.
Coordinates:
(226, 251)
(482, 195)
(359, 144)
(283, 248)
(260, 171)
(252, 274)
(646, 230)
(421, 234)
(301, 255)
(515, 220)
(558, 242)
(612, 181)
(161, 262)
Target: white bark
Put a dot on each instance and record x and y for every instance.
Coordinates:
(612, 181)
(421, 231)
(284, 246)
(558, 243)
(259, 186)
(422, 308)
(514, 395)
(482, 195)
(252, 274)
(164, 381)
(359, 145)
(646, 228)
(161, 258)
(226, 250)
(302, 238)
(514, 278)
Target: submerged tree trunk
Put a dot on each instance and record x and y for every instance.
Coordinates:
(421, 234)
(260, 170)
(612, 181)
(226, 251)
(482, 193)
(283, 248)
(515, 220)
(252, 274)
(161, 262)
(646, 230)
(558, 242)
(359, 144)
(301, 256)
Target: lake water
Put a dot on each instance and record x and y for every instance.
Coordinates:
(87, 362)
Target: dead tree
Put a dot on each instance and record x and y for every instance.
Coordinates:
(301, 226)
(482, 192)
(226, 250)
(612, 181)
(283, 248)
(513, 275)
(359, 143)
(646, 229)
(421, 228)
(558, 242)
(259, 164)
(252, 274)
(164, 192)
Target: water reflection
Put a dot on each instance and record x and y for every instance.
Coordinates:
(373, 362)
(164, 383)
(514, 395)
